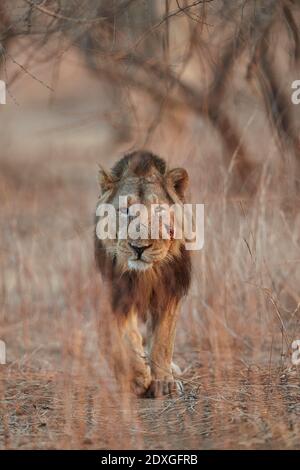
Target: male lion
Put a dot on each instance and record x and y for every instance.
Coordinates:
(146, 277)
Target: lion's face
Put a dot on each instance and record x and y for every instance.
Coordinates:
(143, 182)
(141, 253)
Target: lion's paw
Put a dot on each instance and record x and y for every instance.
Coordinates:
(159, 388)
(141, 381)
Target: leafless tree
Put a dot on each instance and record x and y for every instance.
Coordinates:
(128, 45)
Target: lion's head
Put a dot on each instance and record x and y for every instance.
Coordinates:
(142, 178)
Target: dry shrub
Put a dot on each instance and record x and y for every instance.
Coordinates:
(214, 99)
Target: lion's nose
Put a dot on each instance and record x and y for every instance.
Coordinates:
(139, 250)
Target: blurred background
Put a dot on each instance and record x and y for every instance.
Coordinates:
(206, 85)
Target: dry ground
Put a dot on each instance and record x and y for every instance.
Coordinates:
(233, 339)
(236, 326)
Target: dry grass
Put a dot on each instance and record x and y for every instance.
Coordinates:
(209, 103)
(233, 338)
(238, 408)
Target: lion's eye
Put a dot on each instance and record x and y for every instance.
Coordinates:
(124, 210)
(160, 209)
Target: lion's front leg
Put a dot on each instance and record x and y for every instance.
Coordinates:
(139, 370)
(163, 329)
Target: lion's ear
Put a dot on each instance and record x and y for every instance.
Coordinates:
(178, 180)
(106, 181)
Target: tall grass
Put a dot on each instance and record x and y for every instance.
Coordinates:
(221, 118)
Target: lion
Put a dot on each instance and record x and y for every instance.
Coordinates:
(146, 277)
